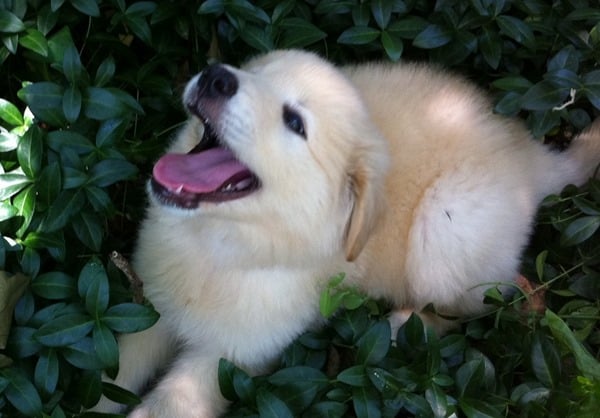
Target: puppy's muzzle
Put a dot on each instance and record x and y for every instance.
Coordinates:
(215, 85)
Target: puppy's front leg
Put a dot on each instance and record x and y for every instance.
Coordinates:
(140, 355)
(189, 390)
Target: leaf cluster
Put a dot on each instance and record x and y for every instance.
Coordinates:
(90, 96)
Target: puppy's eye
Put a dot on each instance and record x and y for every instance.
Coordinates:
(293, 121)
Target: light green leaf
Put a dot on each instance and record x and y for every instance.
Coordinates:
(35, 41)
(10, 23)
(129, 317)
(9, 113)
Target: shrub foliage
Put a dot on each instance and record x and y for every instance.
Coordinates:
(90, 96)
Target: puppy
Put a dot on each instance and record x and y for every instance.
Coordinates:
(290, 171)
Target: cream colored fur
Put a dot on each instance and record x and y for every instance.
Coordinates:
(407, 182)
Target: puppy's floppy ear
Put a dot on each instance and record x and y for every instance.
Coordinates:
(366, 182)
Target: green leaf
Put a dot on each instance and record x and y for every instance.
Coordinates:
(366, 402)
(45, 101)
(8, 141)
(110, 131)
(82, 355)
(64, 330)
(54, 285)
(7, 211)
(580, 230)
(97, 292)
(46, 20)
(516, 29)
(247, 11)
(119, 395)
(373, 346)
(11, 184)
(140, 27)
(358, 35)
(49, 184)
(433, 36)
(543, 96)
(408, 27)
(469, 377)
(105, 344)
(490, 45)
(10, 23)
(591, 87)
(59, 141)
(71, 104)
(129, 317)
(392, 45)
(89, 388)
(87, 7)
(21, 393)
(299, 33)
(270, 406)
(67, 204)
(35, 41)
(9, 113)
(225, 377)
(101, 104)
(21, 342)
(141, 8)
(105, 72)
(257, 38)
(295, 374)
(412, 332)
(354, 376)
(29, 152)
(216, 7)
(92, 272)
(46, 371)
(88, 228)
(110, 171)
(586, 363)
(479, 409)
(437, 401)
(545, 360)
(382, 12)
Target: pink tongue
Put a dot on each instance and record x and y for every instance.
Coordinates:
(202, 172)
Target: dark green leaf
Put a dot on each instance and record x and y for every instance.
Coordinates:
(46, 20)
(72, 103)
(292, 375)
(110, 171)
(408, 27)
(46, 371)
(382, 12)
(88, 228)
(392, 45)
(580, 230)
(119, 395)
(490, 45)
(374, 344)
(105, 344)
(479, 409)
(61, 140)
(354, 376)
(29, 152)
(101, 104)
(21, 342)
(67, 205)
(64, 330)
(366, 402)
(358, 35)
(140, 27)
(35, 41)
(110, 131)
(257, 38)
(10, 113)
(11, 184)
(21, 393)
(89, 388)
(212, 7)
(83, 355)
(141, 8)
(9, 23)
(129, 317)
(49, 184)
(591, 87)
(54, 285)
(516, 29)
(270, 406)
(45, 101)
(225, 377)
(87, 7)
(94, 280)
(105, 72)
(469, 377)
(545, 360)
(543, 96)
(433, 36)
(299, 33)
(437, 401)
(98, 198)
(245, 9)
(43, 240)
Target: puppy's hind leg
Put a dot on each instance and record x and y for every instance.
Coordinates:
(140, 356)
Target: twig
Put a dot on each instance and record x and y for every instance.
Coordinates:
(569, 102)
(137, 286)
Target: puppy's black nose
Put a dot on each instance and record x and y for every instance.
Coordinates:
(217, 81)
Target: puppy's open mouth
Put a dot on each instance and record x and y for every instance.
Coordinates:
(208, 173)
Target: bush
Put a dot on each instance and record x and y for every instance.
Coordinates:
(90, 98)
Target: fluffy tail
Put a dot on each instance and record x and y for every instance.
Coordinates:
(584, 152)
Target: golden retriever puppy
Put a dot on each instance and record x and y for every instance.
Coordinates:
(290, 171)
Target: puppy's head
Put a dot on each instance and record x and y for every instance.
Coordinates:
(285, 139)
